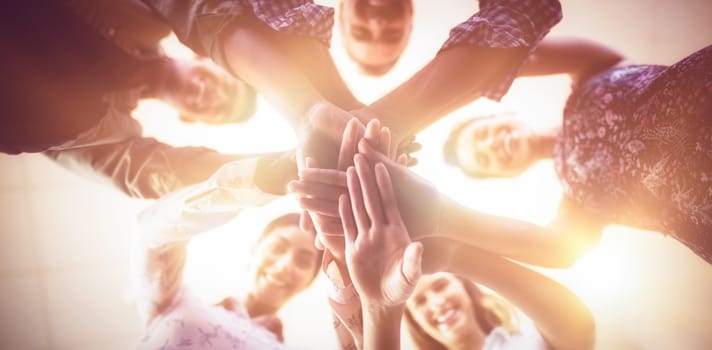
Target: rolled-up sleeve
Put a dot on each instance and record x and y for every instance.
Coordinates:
(506, 24)
(200, 23)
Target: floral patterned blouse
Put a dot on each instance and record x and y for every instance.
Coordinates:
(636, 148)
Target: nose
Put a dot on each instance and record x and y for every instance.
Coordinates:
(436, 301)
(377, 26)
(484, 145)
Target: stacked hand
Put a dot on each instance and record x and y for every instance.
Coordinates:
(382, 262)
(324, 193)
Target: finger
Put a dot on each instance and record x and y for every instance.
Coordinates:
(317, 243)
(357, 207)
(369, 188)
(316, 190)
(319, 206)
(349, 140)
(305, 223)
(373, 133)
(324, 176)
(387, 195)
(411, 267)
(347, 221)
(327, 226)
(402, 160)
(385, 141)
(410, 147)
(371, 153)
(311, 163)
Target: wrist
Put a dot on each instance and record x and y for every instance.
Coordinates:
(379, 312)
(544, 142)
(382, 317)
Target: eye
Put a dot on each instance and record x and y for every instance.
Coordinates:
(277, 247)
(480, 133)
(304, 261)
(419, 300)
(439, 285)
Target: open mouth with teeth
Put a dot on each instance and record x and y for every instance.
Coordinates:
(447, 319)
(273, 281)
(506, 143)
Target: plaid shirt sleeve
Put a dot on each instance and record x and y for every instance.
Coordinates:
(200, 23)
(506, 24)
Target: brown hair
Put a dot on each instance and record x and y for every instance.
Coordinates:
(490, 312)
(288, 220)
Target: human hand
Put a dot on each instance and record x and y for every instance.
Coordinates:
(319, 188)
(418, 200)
(402, 144)
(383, 263)
(320, 135)
(328, 227)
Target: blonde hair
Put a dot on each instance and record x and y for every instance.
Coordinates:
(491, 311)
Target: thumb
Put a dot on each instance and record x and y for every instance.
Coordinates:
(411, 267)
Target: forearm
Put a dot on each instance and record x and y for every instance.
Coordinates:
(204, 206)
(314, 60)
(561, 317)
(576, 57)
(345, 304)
(381, 327)
(348, 323)
(516, 239)
(452, 79)
(253, 54)
(142, 167)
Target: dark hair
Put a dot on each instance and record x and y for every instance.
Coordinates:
(288, 220)
(487, 318)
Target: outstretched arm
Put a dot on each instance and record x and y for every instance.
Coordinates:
(143, 167)
(167, 226)
(383, 263)
(281, 49)
(480, 59)
(427, 213)
(562, 318)
(577, 57)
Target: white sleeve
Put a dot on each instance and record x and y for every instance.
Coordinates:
(203, 206)
(528, 338)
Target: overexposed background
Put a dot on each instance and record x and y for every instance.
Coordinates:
(65, 253)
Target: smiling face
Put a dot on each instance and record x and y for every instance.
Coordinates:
(285, 264)
(498, 147)
(375, 32)
(442, 308)
(203, 92)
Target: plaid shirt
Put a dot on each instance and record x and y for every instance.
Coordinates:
(199, 23)
(506, 24)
